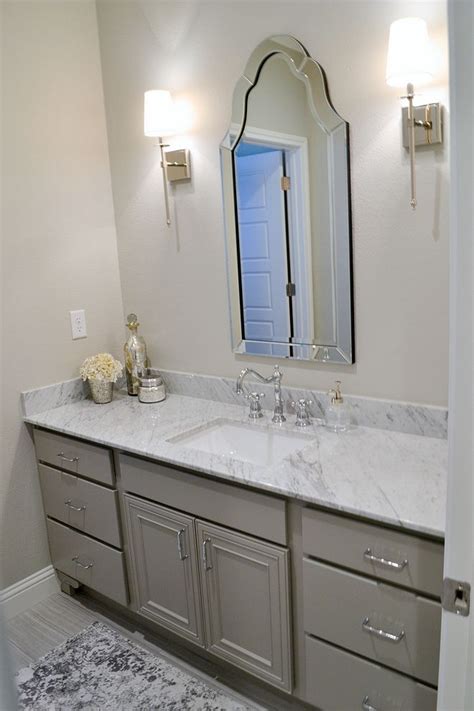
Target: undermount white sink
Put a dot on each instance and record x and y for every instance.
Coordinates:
(246, 442)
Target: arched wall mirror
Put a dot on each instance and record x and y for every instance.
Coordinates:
(286, 185)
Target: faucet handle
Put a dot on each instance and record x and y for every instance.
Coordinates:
(301, 406)
(254, 396)
(255, 406)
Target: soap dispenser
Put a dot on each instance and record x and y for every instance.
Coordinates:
(338, 417)
(136, 360)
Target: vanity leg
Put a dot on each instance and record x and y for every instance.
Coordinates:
(68, 585)
(67, 588)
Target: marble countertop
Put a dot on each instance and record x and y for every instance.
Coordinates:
(391, 477)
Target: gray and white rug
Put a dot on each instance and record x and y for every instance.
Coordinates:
(101, 669)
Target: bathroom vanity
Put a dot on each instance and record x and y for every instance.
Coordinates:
(310, 560)
(319, 573)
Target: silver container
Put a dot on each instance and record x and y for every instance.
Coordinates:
(151, 387)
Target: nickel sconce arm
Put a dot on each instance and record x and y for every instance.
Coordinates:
(412, 123)
(165, 180)
(165, 164)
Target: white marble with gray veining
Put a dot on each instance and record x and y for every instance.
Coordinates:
(51, 396)
(412, 418)
(388, 476)
(57, 394)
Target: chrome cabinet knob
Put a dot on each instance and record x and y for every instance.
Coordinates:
(70, 505)
(62, 456)
(86, 566)
(383, 634)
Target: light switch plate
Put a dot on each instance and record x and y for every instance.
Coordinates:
(78, 324)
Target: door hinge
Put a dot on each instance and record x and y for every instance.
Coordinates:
(285, 182)
(456, 597)
(291, 289)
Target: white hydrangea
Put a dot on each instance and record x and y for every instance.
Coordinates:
(102, 366)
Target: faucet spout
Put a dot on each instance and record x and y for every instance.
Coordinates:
(278, 415)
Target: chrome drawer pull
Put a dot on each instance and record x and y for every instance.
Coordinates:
(207, 566)
(368, 555)
(182, 555)
(78, 562)
(381, 633)
(62, 456)
(70, 505)
(366, 705)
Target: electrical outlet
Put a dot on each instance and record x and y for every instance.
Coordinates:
(78, 324)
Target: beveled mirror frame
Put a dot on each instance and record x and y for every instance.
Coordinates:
(307, 69)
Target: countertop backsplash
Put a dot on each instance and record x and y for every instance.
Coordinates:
(411, 418)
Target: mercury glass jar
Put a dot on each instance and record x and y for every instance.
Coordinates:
(151, 387)
(101, 390)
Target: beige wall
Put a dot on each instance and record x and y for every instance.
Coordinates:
(175, 279)
(59, 243)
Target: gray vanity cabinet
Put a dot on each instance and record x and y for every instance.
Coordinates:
(162, 548)
(210, 561)
(246, 602)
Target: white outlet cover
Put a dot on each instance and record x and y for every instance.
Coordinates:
(78, 324)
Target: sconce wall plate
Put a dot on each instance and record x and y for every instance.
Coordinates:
(424, 137)
(178, 165)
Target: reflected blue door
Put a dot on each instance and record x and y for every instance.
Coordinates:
(263, 250)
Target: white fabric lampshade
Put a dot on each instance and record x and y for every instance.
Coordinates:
(409, 58)
(159, 114)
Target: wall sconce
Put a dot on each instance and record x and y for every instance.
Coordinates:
(160, 120)
(409, 62)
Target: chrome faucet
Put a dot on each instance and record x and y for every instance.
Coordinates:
(278, 415)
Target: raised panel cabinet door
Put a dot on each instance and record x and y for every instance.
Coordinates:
(163, 561)
(246, 602)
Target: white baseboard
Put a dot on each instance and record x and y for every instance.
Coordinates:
(27, 592)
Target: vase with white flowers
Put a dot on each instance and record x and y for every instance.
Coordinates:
(101, 371)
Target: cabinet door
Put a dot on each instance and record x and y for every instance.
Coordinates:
(162, 554)
(246, 602)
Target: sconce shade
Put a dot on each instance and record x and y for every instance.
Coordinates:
(159, 115)
(409, 58)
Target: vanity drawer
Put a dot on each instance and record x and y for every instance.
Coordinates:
(75, 456)
(64, 493)
(364, 683)
(337, 603)
(354, 544)
(72, 553)
(233, 506)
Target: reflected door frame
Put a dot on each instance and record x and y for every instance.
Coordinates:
(296, 153)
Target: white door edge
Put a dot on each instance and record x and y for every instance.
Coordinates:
(456, 690)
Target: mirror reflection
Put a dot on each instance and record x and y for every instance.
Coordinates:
(290, 230)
